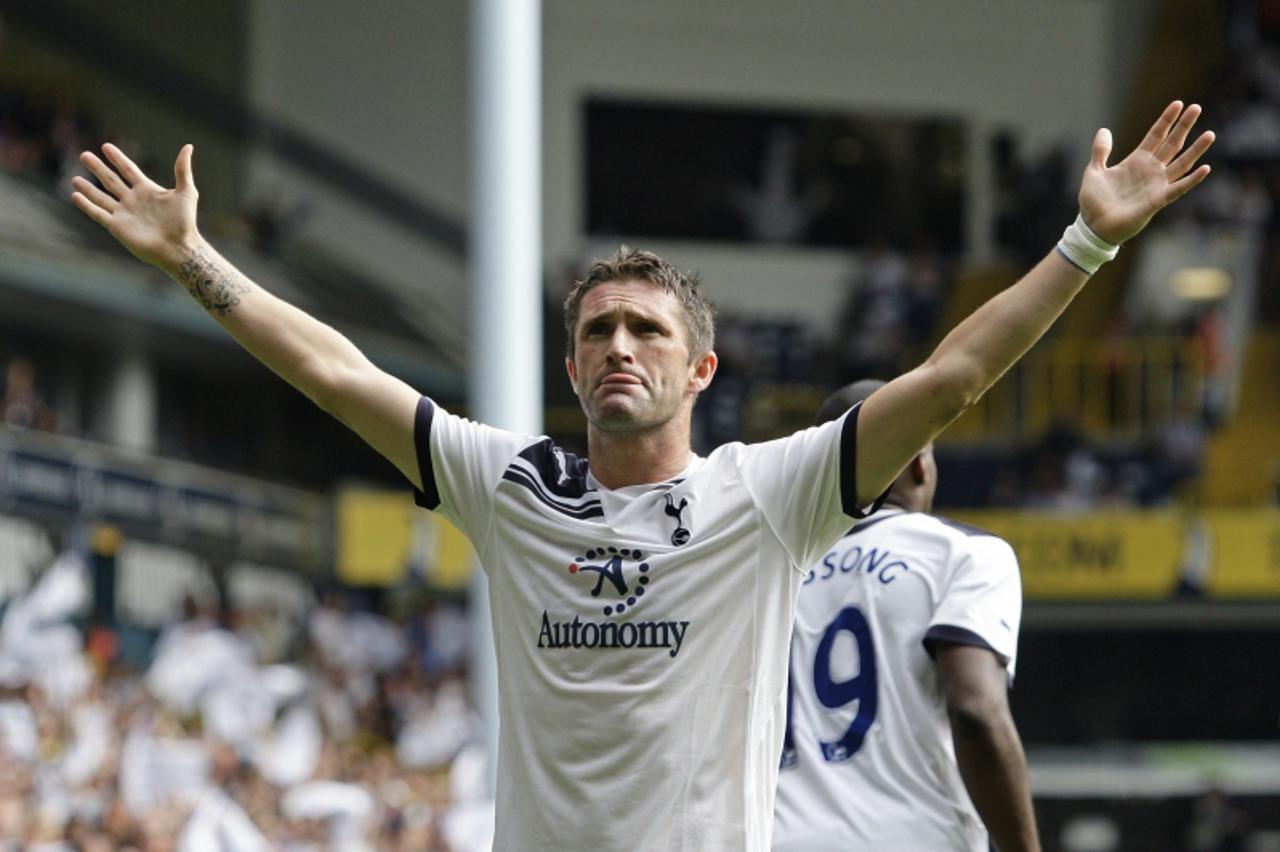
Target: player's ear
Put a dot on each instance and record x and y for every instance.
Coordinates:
(702, 371)
(919, 468)
(572, 370)
(928, 465)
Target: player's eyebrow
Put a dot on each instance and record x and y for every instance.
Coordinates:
(626, 312)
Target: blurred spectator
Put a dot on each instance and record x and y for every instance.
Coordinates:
(43, 137)
(268, 221)
(1177, 454)
(1065, 471)
(22, 406)
(1217, 825)
(718, 415)
(872, 333)
(269, 630)
(891, 310)
(1209, 336)
(439, 636)
(926, 284)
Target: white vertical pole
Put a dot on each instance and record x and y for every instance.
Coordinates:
(505, 256)
(132, 405)
(980, 209)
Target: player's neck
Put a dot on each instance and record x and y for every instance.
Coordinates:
(619, 459)
(906, 502)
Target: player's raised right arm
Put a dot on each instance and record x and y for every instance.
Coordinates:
(158, 226)
(1116, 203)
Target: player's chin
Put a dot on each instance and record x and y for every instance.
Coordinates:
(613, 419)
(617, 415)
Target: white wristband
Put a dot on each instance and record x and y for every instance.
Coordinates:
(1084, 249)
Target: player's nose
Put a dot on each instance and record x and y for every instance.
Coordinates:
(621, 345)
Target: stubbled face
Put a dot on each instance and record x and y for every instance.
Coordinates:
(631, 367)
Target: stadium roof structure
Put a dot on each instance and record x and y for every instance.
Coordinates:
(61, 274)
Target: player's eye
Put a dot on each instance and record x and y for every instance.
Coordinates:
(596, 329)
(646, 327)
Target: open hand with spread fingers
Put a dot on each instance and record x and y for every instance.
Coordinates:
(152, 222)
(1118, 201)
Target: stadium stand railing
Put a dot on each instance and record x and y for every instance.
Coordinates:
(182, 515)
(1118, 391)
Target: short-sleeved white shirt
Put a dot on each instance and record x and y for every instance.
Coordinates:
(869, 761)
(641, 632)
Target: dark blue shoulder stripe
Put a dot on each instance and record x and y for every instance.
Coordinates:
(871, 522)
(515, 473)
(967, 529)
(849, 468)
(562, 474)
(957, 636)
(519, 477)
(429, 495)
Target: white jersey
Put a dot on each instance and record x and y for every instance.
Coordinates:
(868, 761)
(642, 632)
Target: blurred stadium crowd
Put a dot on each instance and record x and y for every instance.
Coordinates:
(347, 731)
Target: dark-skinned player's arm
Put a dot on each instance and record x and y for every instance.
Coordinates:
(158, 226)
(988, 748)
(1116, 203)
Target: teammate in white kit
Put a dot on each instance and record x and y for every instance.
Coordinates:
(642, 599)
(905, 641)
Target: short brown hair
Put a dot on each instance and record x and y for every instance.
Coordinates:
(630, 264)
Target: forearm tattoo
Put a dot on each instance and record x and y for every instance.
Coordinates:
(218, 290)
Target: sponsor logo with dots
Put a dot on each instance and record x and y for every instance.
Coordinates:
(610, 564)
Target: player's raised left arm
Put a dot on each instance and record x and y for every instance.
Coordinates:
(1116, 203)
(158, 226)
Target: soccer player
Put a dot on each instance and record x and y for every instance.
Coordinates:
(641, 596)
(905, 641)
